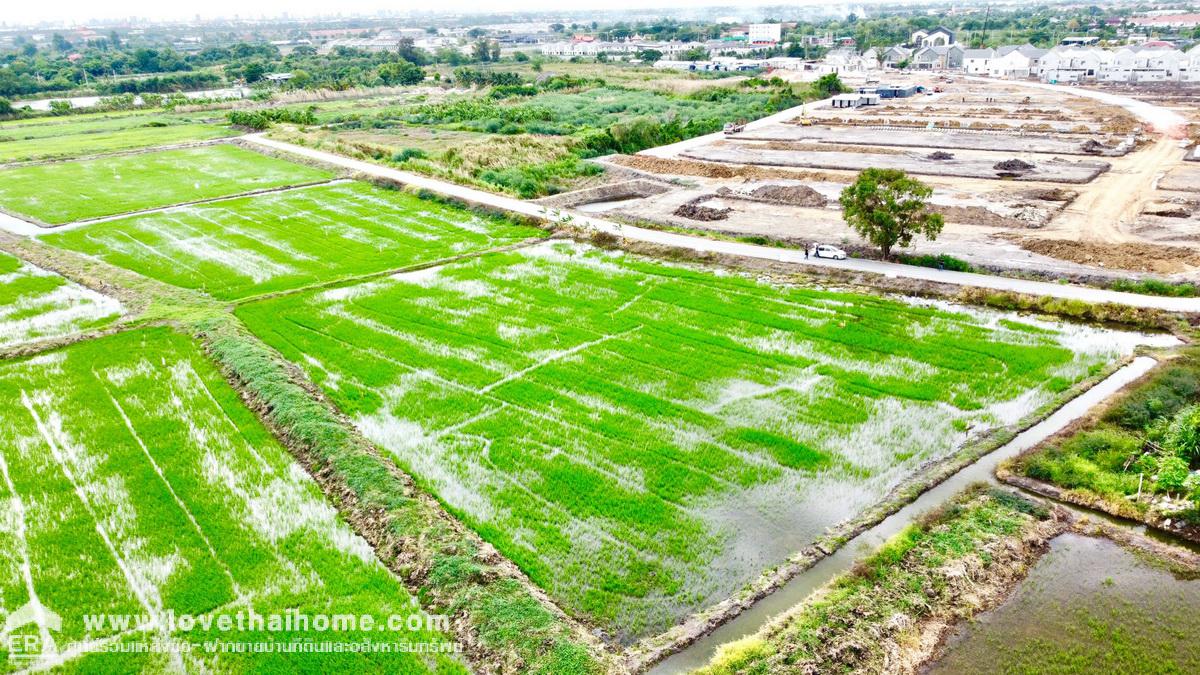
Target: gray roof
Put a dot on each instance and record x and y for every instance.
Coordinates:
(977, 53)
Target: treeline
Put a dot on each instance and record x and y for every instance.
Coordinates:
(164, 84)
(28, 70)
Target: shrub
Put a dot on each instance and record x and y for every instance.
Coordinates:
(1172, 474)
(407, 154)
(401, 72)
(942, 261)
(1172, 390)
(1154, 287)
(1183, 435)
(262, 119)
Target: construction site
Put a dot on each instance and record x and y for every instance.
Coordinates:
(1028, 180)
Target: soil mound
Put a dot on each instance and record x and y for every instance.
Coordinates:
(792, 195)
(1013, 165)
(695, 210)
(1050, 194)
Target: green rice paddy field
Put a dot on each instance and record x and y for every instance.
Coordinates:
(36, 304)
(643, 438)
(283, 240)
(64, 192)
(44, 138)
(136, 483)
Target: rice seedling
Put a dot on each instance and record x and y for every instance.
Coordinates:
(137, 484)
(36, 304)
(69, 191)
(94, 134)
(642, 438)
(283, 240)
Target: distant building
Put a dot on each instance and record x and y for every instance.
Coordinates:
(764, 34)
(825, 40)
(938, 57)
(1167, 21)
(1145, 63)
(845, 60)
(893, 56)
(1192, 74)
(938, 37)
(1015, 63)
(1072, 64)
(976, 61)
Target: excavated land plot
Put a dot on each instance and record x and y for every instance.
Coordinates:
(643, 439)
(1146, 257)
(1022, 209)
(919, 121)
(938, 138)
(972, 224)
(284, 240)
(137, 484)
(1060, 171)
(65, 192)
(1185, 178)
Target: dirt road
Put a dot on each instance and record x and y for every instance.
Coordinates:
(1107, 207)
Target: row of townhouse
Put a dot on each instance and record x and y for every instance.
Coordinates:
(1148, 62)
(670, 50)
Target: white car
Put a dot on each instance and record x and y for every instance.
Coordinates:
(827, 251)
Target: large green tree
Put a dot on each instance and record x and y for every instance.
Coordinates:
(888, 208)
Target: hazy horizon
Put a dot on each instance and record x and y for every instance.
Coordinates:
(77, 12)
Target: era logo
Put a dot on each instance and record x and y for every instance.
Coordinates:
(31, 646)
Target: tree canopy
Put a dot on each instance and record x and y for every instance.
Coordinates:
(888, 208)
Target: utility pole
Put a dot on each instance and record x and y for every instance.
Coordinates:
(987, 13)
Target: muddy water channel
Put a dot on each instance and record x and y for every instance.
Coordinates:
(1087, 606)
(799, 588)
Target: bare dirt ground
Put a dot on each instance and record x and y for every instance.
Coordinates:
(1138, 218)
(1106, 210)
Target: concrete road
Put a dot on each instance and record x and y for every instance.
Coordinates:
(517, 206)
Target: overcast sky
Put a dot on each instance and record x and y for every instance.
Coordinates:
(80, 11)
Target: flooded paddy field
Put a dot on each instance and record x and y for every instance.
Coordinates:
(1088, 606)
